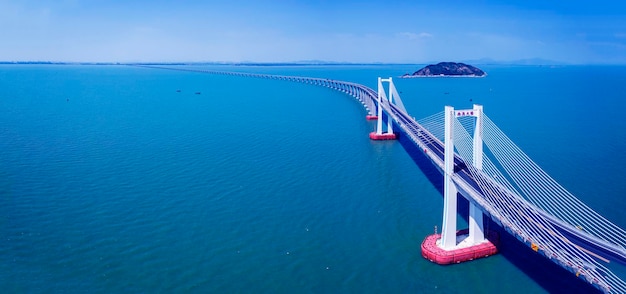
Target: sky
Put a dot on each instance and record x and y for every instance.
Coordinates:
(393, 31)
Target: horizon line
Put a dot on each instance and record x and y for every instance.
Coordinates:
(304, 62)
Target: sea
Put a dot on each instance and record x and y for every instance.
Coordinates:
(123, 179)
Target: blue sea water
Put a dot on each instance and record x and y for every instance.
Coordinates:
(112, 181)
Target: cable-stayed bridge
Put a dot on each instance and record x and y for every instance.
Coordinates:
(480, 163)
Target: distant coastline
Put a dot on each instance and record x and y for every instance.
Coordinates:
(243, 63)
(522, 62)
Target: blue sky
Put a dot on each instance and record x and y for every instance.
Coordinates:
(280, 31)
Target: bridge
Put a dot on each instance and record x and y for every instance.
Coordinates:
(499, 181)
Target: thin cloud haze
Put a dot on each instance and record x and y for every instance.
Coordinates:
(282, 31)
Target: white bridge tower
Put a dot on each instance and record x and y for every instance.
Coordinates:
(384, 101)
(466, 244)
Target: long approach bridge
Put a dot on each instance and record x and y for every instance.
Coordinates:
(501, 182)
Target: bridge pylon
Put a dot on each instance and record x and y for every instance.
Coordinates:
(452, 245)
(381, 100)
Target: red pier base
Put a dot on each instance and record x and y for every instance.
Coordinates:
(371, 117)
(375, 136)
(434, 253)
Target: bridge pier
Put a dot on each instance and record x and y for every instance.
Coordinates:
(382, 98)
(370, 116)
(476, 229)
(454, 246)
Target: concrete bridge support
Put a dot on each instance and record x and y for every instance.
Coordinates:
(383, 98)
(454, 246)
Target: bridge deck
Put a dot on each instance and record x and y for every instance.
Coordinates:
(574, 250)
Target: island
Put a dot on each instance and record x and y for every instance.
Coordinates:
(445, 69)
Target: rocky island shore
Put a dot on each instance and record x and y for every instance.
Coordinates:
(444, 69)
